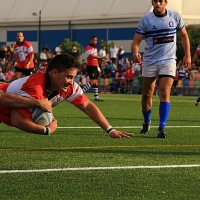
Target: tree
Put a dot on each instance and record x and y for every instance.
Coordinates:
(67, 46)
(107, 45)
(194, 36)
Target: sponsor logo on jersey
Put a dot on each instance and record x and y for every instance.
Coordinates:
(162, 40)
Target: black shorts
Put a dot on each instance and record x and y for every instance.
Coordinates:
(26, 72)
(93, 72)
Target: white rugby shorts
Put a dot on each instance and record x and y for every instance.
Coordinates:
(156, 70)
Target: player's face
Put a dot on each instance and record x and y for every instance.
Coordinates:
(20, 37)
(94, 41)
(61, 81)
(159, 6)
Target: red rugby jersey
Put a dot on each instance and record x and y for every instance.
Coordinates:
(35, 86)
(89, 50)
(23, 51)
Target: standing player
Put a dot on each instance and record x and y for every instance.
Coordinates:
(159, 31)
(24, 55)
(58, 85)
(92, 67)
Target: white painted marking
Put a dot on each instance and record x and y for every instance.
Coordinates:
(98, 168)
(70, 127)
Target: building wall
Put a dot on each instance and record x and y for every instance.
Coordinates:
(51, 35)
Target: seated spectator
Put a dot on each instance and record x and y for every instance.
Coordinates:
(113, 87)
(197, 75)
(125, 64)
(2, 76)
(106, 73)
(194, 68)
(120, 79)
(113, 70)
(191, 75)
(182, 72)
(175, 83)
(9, 54)
(136, 68)
(2, 54)
(119, 66)
(43, 66)
(83, 74)
(197, 63)
(10, 75)
(110, 64)
(103, 64)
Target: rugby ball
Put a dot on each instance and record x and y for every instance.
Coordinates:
(41, 117)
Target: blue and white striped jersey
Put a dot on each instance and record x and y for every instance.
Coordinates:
(160, 36)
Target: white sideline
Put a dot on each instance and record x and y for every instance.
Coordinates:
(130, 127)
(98, 168)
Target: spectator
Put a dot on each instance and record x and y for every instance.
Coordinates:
(193, 68)
(113, 70)
(8, 54)
(83, 74)
(102, 51)
(182, 72)
(2, 53)
(129, 75)
(9, 75)
(75, 53)
(2, 76)
(119, 66)
(197, 63)
(43, 67)
(58, 49)
(125, 64)
(196, 54)
(113, 87)
(49, 55)
(12, 48)
(103, 65)
(136, 68)
(113, 53)
(106, 73)
(175, 83)
(45, 47)
(43, 55)
(120, 54)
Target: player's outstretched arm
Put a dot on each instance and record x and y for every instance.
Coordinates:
(15, 101)
(28, 125)
(96, 115)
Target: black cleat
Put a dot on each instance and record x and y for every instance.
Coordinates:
(145, 128)
(197, 103)
(99, 100)
(161, 133)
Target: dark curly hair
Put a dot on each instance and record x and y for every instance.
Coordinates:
(62, 62)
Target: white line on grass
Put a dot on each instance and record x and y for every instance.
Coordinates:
(98, 168)
(71, 127)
